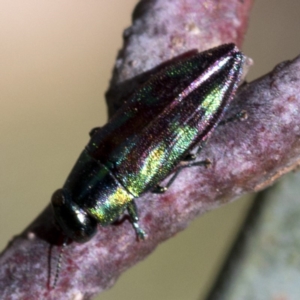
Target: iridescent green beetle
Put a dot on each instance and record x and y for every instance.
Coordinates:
(174, 111)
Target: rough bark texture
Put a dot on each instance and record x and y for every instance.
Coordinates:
(246, 156)
(162, 30)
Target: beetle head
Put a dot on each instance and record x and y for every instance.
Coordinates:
(72, 220)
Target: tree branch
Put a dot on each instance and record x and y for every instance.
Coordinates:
(246, 156)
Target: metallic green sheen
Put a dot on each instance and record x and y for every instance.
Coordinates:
(97, 190)
(176, 109)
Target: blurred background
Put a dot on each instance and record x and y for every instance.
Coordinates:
(56, 58)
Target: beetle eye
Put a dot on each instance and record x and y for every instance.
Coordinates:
(93, 131)
(58, 198)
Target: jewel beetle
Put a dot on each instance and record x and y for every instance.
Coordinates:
(175, 111)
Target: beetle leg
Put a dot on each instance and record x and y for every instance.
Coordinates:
(93, 131)
(241, 116)
(192, 156)
(161, 189)
(134, 219)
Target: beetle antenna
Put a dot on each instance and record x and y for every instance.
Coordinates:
(59, 260)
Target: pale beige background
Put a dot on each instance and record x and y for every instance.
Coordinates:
(56, 59)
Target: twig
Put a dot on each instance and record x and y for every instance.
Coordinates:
(246, 156)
